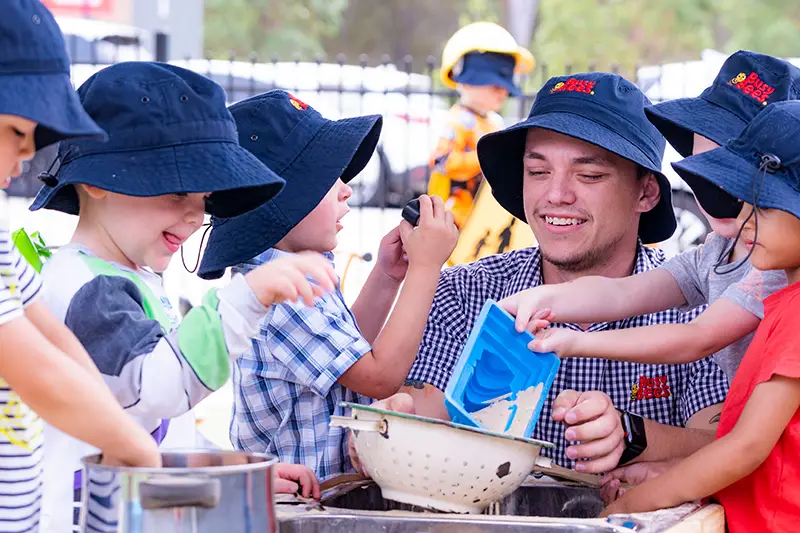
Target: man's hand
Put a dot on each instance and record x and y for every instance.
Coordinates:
(591, 419)
(634, 474)
(392, 259)
(291, 479)
(399, 403)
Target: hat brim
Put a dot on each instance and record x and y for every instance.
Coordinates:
(500, 155)
(340, 149)
(735, 175)
(678, 121)
(482, 79)
(237, 180)
(714, 201)
(51, 102)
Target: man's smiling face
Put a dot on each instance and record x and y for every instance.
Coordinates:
(582, 201)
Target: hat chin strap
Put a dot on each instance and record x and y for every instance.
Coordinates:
(199, 250)
(769, 163)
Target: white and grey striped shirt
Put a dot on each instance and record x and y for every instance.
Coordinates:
(20, 427)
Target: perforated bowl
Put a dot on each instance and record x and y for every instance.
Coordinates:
(437, 464)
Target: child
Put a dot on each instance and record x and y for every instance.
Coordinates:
(172, 154)
(479, 60)
(752, 465)
(308, 359)
(696, 277)
(44, 371)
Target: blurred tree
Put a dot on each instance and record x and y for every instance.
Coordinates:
(270, 27)
(767, 26)
(567, 35)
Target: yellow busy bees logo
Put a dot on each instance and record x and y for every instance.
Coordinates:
(574, 85)
(299, 105)
(751, 85)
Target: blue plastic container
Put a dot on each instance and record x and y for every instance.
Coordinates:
(496, 362)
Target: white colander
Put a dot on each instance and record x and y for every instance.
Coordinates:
(437, 464)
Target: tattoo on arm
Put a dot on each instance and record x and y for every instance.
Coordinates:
(715, 419)
(414, 383)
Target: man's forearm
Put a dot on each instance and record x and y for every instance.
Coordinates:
(374, 303)
(666, 442)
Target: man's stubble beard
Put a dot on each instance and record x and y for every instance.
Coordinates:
(586, 260)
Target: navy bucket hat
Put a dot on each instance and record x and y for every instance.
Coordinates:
(745, 85)
(307, 150)
(34, 75)
(168, 132)
(599, 108)
(486, 68)
(768, 145)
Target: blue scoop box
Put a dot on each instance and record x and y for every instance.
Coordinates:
(496, 362)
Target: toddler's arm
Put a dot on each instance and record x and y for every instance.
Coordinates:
(596, 299)
(722, 324)
(726, 460)
(65, 395)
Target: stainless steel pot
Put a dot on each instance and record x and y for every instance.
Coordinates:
(196, 491)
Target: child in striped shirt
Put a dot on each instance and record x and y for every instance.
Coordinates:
(44, 370)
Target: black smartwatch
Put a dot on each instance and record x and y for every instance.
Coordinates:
(635, 438)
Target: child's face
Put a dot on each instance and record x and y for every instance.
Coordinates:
(146, 231)
(16, 146)
(484, 97)
(777, 245)
(725, 227)
(318, 231)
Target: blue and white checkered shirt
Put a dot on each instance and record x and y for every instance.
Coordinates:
(668, 394)
(285, 389)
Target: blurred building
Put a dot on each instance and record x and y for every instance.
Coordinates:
(181, 20)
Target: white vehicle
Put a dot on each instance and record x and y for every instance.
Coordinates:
(101, 42)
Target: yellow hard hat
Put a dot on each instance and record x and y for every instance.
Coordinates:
(483, 37)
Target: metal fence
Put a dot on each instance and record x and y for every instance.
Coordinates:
(414, 105)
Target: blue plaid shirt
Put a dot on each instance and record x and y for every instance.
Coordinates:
(285, 389)
(668, 394)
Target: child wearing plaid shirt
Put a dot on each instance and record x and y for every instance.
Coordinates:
(308, 359)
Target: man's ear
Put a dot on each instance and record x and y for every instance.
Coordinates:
(650, 193)
(93, 192)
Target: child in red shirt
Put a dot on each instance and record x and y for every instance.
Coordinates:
(753, 466)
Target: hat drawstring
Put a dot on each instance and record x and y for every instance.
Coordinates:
(199, 251)
(769, 163)
(48, 177)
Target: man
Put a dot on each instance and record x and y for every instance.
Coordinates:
(584, 172)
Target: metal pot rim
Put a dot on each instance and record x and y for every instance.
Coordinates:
(93, 462)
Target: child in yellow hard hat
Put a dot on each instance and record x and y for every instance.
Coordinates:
(480, 61)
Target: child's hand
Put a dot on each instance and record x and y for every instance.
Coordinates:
(530, 307)
(634, 474)
(430, 244)
(143, 454)
(561, 342)
(392, 259)
(285, 279)
(291, 479)
(633, 501)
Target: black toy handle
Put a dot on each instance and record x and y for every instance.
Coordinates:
(411, 212)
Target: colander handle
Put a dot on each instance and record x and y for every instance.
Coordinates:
(377, 426)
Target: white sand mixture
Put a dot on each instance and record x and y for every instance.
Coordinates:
(495, 416)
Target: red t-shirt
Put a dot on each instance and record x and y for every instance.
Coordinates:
(769, 498)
